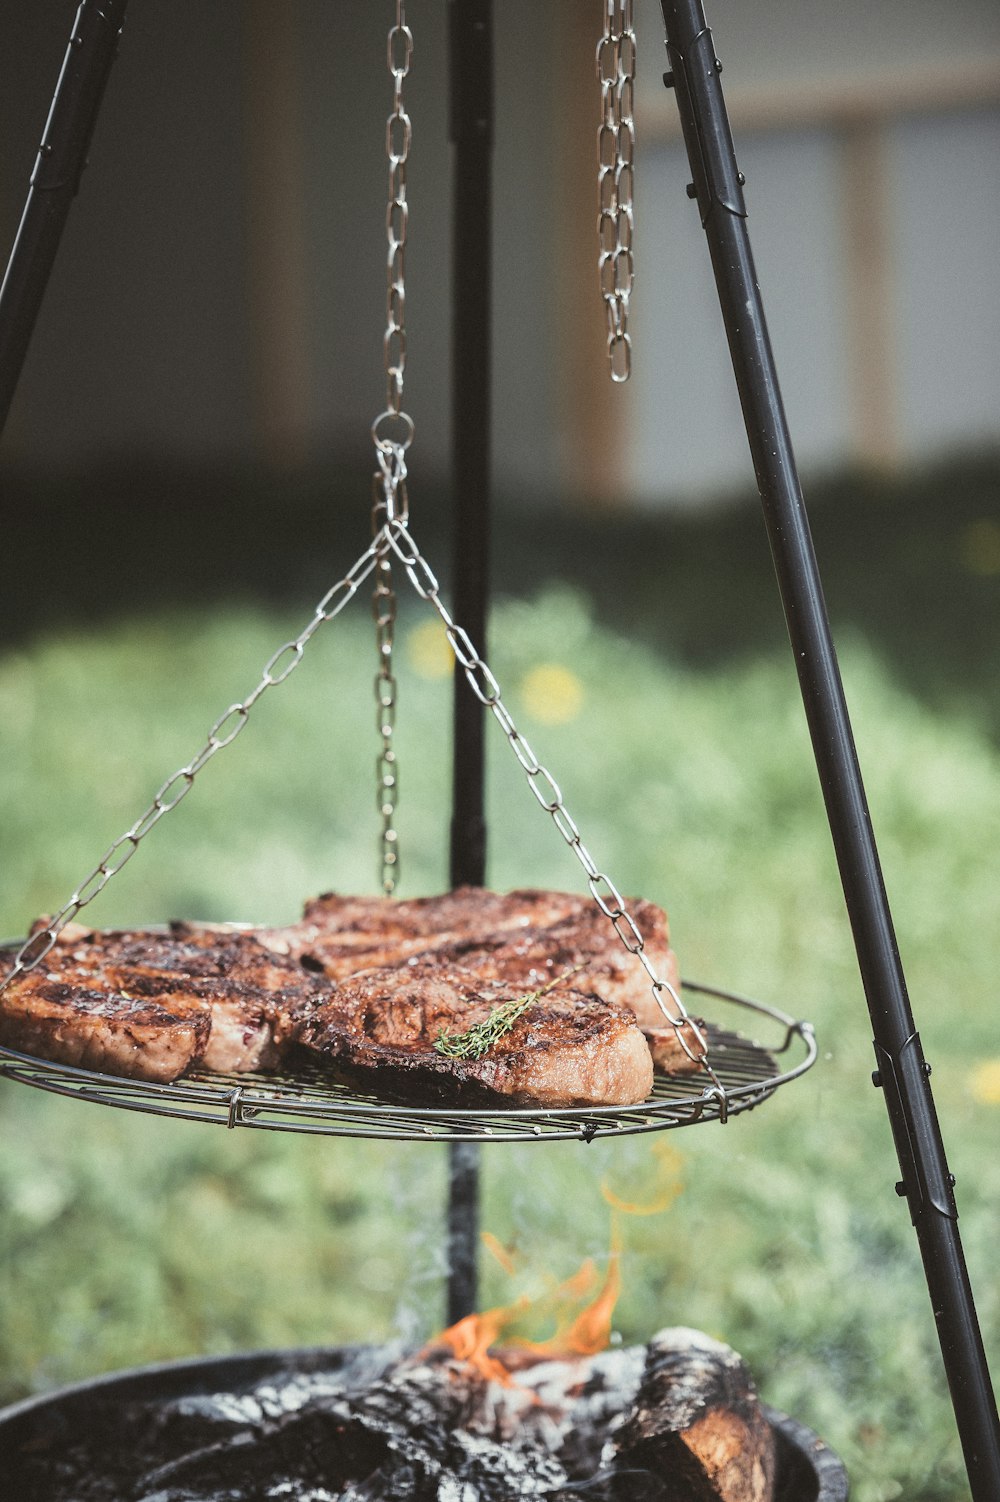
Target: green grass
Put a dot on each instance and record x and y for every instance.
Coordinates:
(125, 1239)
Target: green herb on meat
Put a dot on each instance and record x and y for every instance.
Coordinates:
(481, 1037)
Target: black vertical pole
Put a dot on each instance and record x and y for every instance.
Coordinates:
(901, 1073)
(59, 165)
(471, 98)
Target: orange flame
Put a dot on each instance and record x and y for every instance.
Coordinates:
(589, 1331)
(579, 1331)
(470, 1339)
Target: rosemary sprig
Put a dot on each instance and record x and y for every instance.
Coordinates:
(480, 1038)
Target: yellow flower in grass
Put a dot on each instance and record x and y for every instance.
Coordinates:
(552, 694)
(984, 1083)
(429, 651)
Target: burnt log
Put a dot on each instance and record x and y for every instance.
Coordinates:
(696, 1422)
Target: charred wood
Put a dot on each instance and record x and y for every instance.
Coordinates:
(697, 1419)
(675, 1422)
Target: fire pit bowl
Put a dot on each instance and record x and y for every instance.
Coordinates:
(42, 1438)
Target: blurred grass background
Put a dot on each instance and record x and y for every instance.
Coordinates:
(646, 661)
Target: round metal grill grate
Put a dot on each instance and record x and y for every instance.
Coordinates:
(311, 1102)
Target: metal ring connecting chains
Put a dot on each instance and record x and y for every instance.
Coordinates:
(615, 179)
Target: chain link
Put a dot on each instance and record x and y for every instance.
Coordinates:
(546, 790)
(384, 612)
(227, 727)
(615, 179)
(392, 432)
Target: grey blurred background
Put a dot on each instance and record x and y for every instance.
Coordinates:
(219, 298)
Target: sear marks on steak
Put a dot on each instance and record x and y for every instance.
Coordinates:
(104, 1029)
(150, 1006)
(257, 999)
(568, 1048)
(342, 935)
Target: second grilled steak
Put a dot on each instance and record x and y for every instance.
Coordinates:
(149, 1005)
(106, 1029)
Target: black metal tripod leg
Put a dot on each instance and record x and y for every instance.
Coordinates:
(59, 165)
(925, 1178)
(471, 91)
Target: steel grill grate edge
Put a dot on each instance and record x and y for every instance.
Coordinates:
(310, 1102)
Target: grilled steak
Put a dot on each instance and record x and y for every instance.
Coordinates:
(522, 939)
(669, 1054)
(256, 998)
(367, 985)
(568, 1048)
(150, 1005)
(603, 967)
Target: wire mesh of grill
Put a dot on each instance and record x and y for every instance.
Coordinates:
(311, 1102)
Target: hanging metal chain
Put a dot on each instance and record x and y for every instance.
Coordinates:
(386, 781)
(615, 178)
(279, 666)
(392, 432)
(547, 793)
